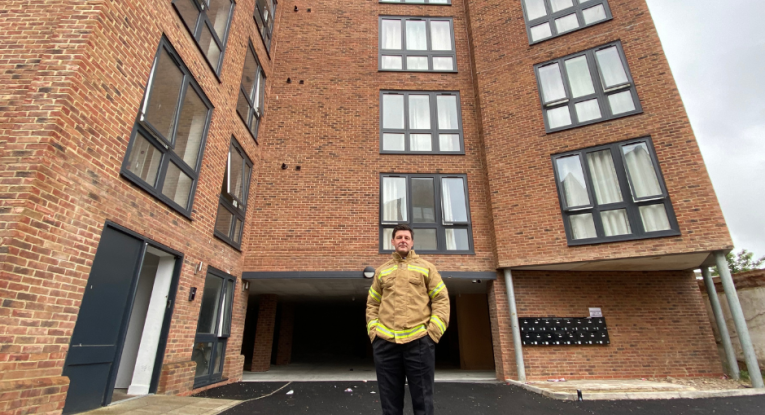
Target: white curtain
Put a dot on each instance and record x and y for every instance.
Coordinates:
(558, 5)
(391, 34)
(420, 142)
(587, 110)
(654, 218)
(571, 177)
(604, 179)
(541, 31)
(566, 23)
(443, 63)
(453, 196)
(552, 83)
(559, 117)
(582, 226)
(535, 9)
(621, 102)
(415, 35)
(235, 174)
(594, 14)
(579, 77)
(640, 168)
(611, 68)
(449, 142)
(447, 112)
(419, 112)
(393, 111)
(394, 199)
(615, 222)
(440, 35)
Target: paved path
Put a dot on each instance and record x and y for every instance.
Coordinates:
(330, 398)
(170, 405)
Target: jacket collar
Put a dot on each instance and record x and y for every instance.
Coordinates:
(411, 255)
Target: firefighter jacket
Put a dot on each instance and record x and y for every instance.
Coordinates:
(407, 301)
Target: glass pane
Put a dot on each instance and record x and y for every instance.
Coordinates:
(393, 142)
(621, 102)
(260, 92)
(615, 222)
(391, 62)
(191, 127)
(443, 63)
(415, 35)
(208, 312)
(449, 142)
(235, 182)
(254, 125)
(144, 160)
(559, 117)
(440, 35)
(393, 111)
(419, 112)
(457, 240)
(643, 179)
(566, 23)
(594, 14)
(201, 356)
(571, 180)
(223, 221)
(611, 67)
(425, 240)
(243, 107)
(420, 142)
(391, 35)
(447, 112)
(249, 73)
(604, 179)
(387, 236)
(218, 357)
(654, 218)
(579, 77)
(552, 83)
(218, 13)
(558, 5)
(209, 47)
(423, 201)
(540, 32)
(247, 171)
(394, 199)
(189, 12)
(177, 185)
(535, 9)
(453, 198)
(582, 226)
(228, 299)
(417, 63)
(237, 235)
(437, 1)
(587, 110)
(163, 95)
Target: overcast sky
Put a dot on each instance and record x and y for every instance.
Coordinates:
(717, 53)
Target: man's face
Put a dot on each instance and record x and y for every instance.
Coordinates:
(402, 243)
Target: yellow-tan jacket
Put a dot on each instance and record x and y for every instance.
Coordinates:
(407, 301)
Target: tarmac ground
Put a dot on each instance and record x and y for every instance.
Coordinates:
(331, 398)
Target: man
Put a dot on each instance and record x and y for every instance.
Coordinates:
(407, 313)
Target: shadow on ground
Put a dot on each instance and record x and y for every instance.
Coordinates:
(330, 398)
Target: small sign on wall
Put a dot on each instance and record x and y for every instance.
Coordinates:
(596, 312)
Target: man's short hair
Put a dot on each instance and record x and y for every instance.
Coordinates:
(402, 228)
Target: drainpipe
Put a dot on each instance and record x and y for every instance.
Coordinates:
(722, 327)
(514, 323)
(739, 320)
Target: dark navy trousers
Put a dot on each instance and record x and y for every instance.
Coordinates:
(413, 362)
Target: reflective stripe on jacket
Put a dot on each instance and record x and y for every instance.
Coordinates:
(407, 301)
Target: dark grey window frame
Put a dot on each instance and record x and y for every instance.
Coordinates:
(213, 337)
(438, 225)
(550, 18)
(162, 144)
(600, 92)
(237, 208)
(428, 2)
(628, 201)
(196, 32)
(266, 31)
(434, 130)
(403, 52)
(253, 116)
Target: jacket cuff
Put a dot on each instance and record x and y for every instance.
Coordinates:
(434, 331)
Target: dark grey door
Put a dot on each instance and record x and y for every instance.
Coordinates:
(96, 340)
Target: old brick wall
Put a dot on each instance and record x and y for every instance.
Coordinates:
(656, 324)
(73, 75)
(528, 223)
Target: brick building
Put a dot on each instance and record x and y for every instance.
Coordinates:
(189, 186)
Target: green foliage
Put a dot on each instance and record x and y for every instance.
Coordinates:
(741, 262)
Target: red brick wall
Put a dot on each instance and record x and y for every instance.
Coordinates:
(656, 323)
(286, 326)
(264, 334)
(528, 224)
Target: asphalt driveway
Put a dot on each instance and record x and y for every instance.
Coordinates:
(331, 398)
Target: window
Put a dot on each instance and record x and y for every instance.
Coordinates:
(233, 196)
(613, 193)
(417, 44)
(586, 88)
(213, 327)
(265, 10)
(440, 2)
(546, 19)
(251, 92)
(208, 21)
(420, 122)
(167, 142)
(435, 206)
